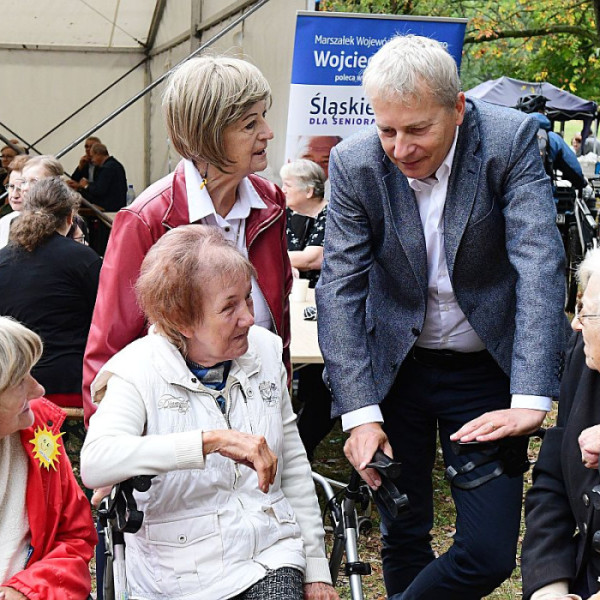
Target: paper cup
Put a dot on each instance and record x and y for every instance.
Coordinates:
(299, 290)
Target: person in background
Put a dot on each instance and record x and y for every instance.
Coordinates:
(46, 526)
(215, 109)
(85, 169)
(555, 152)
(15, 196)
(440, 307)
(559, 558)
(109, 187)
(202, 403)
(576, 144)
(49, 283)
(8, 153)
(303, 183)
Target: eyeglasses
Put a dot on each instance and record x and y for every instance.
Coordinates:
(11, 186)
(581, 317)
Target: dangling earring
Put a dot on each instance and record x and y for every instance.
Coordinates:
(204, 178)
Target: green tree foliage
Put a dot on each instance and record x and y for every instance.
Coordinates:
(551, 40)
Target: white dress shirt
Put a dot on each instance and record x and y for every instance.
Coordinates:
(446, 327)
(233, 225)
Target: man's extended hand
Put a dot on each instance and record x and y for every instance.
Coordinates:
(589, 443)
(498, 424)
(360, 447)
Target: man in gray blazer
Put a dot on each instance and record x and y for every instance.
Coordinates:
(440, 306)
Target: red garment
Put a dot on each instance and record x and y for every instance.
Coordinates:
(65, 400)
(63, 535)
(117, 319)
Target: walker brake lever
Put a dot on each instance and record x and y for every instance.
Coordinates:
(385, 465)
(387, 492)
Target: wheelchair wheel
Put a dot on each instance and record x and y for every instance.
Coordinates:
(574, 257)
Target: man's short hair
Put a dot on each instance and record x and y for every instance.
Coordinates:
(100, 149)
(205, 95)
(175, 274)
(407, 63)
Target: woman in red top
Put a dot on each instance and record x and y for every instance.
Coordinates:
(215, 109)
(46, 526)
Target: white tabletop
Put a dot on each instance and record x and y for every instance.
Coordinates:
(304, 347)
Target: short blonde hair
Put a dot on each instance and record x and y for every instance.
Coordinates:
(175, 274)
(20, 349)
(308, 174)
(205, 95)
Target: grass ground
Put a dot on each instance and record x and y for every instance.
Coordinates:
(330, 461)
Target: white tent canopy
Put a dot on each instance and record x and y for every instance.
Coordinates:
(57, 56)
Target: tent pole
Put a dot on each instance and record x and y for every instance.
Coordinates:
(159, 80)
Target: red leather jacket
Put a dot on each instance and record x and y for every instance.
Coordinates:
(117, 319)
(63, 535)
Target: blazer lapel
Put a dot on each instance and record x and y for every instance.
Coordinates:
(462, 187)
(406, 221)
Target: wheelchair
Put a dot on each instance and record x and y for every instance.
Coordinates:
(118, 514)
(577, 221)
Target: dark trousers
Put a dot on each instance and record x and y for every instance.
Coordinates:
(425, 398)
(314, 419)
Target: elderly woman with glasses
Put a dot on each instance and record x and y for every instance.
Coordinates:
(46, 525)
(215, 109)
(201, 402)
(561, 550)
(15, 196)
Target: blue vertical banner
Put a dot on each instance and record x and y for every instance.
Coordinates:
(331, 51)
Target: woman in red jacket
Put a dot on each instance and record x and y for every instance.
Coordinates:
(215, 109)
(46, 526)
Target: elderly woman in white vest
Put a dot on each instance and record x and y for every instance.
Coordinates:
(202, 403)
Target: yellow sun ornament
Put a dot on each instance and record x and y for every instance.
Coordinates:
(46, 447)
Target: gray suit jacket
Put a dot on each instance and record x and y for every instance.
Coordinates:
(503, 249)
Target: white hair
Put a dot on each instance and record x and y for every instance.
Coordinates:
(406, 65)
(589, 266)
(308, 174)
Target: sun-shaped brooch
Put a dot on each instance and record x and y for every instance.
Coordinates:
(46, 447)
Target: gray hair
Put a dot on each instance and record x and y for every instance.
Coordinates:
(407, 63)
(589, 266)
(20, 349)
(51, 165)
(308, 174)
(205, 95)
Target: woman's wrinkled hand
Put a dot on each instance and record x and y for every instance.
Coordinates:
(245, 449)
(8, 593)
(319, 591)
(98, 494)
(589, 443)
